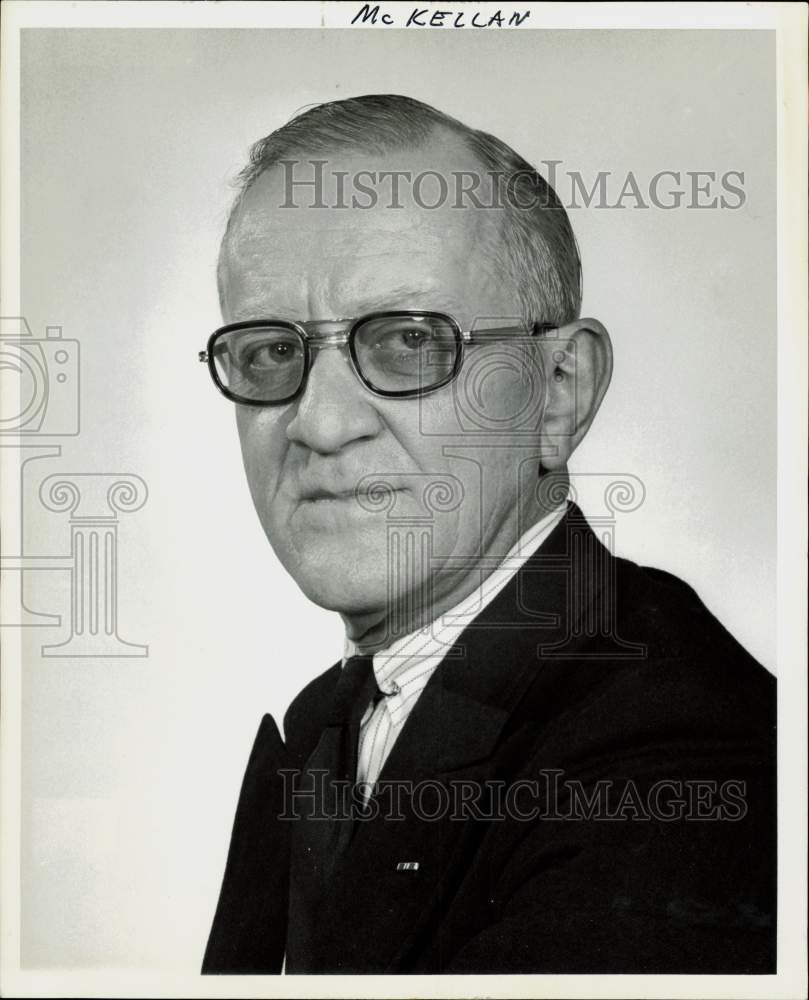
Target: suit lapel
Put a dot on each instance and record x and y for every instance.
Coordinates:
(460, 715)
(248, 931)
(450, 739)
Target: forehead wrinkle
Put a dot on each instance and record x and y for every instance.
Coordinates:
(256, 223)
(333, 267)
(430, 297)
(344, 269)
(258, 259)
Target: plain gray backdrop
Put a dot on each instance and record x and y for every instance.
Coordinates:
(129, 141)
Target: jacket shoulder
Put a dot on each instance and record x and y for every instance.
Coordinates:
(661, 670)
(305, 717)
(688, 672)
(674, 623)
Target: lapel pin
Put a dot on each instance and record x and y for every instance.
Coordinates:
(407, 866)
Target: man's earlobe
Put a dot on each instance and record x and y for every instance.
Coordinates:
(578, 366)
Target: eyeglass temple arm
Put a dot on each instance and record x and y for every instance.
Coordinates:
(205, 357)
(504, 332)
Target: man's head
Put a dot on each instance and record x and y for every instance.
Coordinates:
(482, 238)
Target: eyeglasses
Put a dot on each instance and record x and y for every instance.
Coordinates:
(266, 362)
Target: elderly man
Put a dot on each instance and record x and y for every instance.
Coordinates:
(532, 756)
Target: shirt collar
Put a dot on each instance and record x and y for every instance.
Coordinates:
(399, 665)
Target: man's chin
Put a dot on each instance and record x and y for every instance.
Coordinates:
(350, 579)
(347, 598)
(351, 571)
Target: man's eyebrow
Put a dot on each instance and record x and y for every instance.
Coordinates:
(405, 297)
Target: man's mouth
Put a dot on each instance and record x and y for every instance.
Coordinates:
(365, 497)
(316, 495)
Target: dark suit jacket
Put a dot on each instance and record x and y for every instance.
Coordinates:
(641, 739)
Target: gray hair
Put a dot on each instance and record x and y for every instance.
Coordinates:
(541, 256)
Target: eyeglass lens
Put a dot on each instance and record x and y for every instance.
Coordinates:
(393, 354)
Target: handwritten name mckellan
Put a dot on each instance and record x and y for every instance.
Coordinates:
(424, 17)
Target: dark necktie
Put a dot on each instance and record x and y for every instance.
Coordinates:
(335, 760)
(356, 689)
(317, 843)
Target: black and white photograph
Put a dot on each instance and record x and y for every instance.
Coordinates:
(404, 456)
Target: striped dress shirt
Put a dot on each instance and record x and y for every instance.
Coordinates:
(403, 669)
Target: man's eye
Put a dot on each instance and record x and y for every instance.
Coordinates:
(270, 355)
(409, 338)
(414, 338)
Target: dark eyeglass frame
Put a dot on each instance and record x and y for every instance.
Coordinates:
(314, 341)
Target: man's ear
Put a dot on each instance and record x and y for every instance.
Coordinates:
(577, 361)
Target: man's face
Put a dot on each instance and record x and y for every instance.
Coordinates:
(305, 459)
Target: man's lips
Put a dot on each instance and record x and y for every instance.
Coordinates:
(314, 495)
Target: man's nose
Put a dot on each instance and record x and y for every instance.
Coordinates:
(335, 408)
